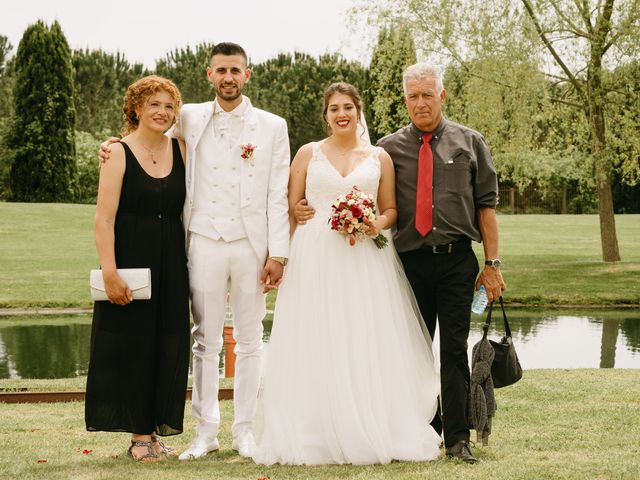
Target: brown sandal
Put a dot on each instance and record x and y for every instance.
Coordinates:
(150, 456)
(164, 449)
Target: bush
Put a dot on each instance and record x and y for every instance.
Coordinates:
(87, 146)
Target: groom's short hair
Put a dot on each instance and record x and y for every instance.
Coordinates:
(228, 48)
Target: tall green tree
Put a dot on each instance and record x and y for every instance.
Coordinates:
(100, 82)
(186, 67)
(572, 42)
(582, 38)
(6, 82)
(394, 52)
(5, 77)
(623, 135)
(41, 135)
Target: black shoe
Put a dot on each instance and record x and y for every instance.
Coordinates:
(462, 451)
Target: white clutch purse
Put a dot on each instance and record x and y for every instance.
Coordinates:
(138, 279)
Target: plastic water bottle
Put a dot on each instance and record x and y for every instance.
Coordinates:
(480, 301)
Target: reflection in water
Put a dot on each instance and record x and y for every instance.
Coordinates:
(44, 351)
(605, 340)
(610, 330)
(31, 349)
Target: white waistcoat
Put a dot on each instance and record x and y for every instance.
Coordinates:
(216, 209)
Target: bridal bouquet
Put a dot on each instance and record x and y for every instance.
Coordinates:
(349, 214)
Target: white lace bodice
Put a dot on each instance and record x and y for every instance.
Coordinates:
(325, 184)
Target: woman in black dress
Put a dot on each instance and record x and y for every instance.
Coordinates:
(139, 358)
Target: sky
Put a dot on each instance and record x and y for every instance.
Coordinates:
(146, 30)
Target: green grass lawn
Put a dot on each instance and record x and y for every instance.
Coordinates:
(553, 424)
(47, 250)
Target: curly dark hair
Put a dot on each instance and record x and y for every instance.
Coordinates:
(139, 92)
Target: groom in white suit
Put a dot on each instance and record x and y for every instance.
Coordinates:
(237, 224)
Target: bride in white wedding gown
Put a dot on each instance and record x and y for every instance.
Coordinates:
(349, 375)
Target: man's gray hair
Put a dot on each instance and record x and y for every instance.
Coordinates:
(419, 71)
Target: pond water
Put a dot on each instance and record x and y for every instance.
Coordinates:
(58, 347)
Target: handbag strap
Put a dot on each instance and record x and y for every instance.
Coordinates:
(487, 322)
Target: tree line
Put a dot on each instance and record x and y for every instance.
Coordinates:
(553, 84)
(543, 126)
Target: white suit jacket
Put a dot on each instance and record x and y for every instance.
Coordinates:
(264, 179)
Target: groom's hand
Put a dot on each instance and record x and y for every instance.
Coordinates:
(105, 151)
(303, 212)
(271, 276)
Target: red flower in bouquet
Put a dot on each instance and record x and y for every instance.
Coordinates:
(351, 214)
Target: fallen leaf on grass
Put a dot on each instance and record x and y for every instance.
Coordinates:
(42, 461)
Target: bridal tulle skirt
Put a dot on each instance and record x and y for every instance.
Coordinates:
(349, 373)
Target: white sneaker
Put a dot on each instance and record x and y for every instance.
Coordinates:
(244, 444)
(199, 448)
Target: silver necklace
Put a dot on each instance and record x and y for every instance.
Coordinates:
(152, 152)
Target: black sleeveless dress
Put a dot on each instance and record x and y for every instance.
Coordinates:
(139, 359)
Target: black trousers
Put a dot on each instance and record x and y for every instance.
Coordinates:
(443, 285)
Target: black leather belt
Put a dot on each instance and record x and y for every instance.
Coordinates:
(454, 247)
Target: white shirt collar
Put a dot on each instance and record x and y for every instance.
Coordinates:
(236, 112)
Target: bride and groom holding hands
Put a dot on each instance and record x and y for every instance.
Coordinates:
(350, 374)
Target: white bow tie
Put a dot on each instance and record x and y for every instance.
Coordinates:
(223, 122)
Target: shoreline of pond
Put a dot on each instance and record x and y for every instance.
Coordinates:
(44, 311)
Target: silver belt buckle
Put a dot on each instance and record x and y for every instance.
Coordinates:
(434, 249)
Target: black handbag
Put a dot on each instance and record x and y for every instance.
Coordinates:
(505, 369)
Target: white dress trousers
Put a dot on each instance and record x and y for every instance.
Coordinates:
(215, 268)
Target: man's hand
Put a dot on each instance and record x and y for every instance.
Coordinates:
(105, 151)
(271, 276)
(493, 282)
(303, 212)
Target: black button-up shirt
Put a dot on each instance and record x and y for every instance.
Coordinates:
(464, 179)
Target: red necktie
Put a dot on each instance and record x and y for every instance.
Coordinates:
(424, 197)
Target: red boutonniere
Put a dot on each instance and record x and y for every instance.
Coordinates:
(247, 152)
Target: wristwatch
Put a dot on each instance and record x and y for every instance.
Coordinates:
(495, 263)
(281, 260)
